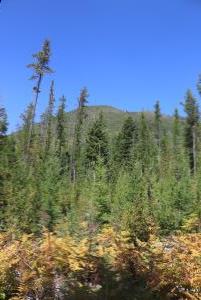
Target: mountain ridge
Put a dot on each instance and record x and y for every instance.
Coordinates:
(113, 117)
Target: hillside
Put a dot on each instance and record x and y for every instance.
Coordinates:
(113, 117)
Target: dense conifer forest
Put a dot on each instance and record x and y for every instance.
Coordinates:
(99, 203)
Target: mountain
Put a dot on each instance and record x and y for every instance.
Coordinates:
(113, 117)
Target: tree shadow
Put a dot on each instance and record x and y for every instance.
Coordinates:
(113, 286)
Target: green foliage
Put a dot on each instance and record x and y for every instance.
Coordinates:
(157, 122)
(60, 126)
(125, 142)
(4, 171)
(40, 65)
(3, 122)
(97, 143)
(48, 118)
(191, 134)
(145, 150)
(80, 117)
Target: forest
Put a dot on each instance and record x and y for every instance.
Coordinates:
(99, 203)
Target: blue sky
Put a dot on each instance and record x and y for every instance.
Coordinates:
(129, 53)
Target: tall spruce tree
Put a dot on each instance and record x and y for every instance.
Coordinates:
(3, 122)
(3, 163)
(80, 117)
(40, 67)
(179, 156)
(176, 128)
(145, 148)
(199, 84)
(97, 143)
(191, 129)
(166, 153)
(48, 119)
(125, 142)
(157, 123)
(62, 145)
(3, 128)
(25, 129)
(60, 125)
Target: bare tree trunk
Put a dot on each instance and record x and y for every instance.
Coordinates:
(37, 91)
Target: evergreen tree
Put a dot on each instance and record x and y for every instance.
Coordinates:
(50, 112)
(49, 118)
(176, 129)
(166, 154)
(157, 123)
(3, 122)
(80, 117)
(191, 129)
(49, 211)
(40, 67)
(61, 124)
(199, 85)
(98, 193)
(145, 151)
(97, 143)
(25, 128)
(179, 158)
(62, 150)
(3, 164)
(125, 142)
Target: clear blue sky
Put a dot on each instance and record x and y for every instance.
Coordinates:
(129, 53)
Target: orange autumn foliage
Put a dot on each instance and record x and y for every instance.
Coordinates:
(37, 267)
